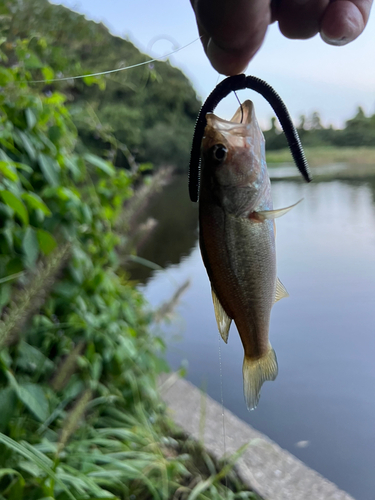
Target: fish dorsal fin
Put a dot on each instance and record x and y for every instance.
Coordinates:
(222, 319)
(281, 291)
(272, 214)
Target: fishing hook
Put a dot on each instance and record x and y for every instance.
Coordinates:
(240, 82)
(240, 103)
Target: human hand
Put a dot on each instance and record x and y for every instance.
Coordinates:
(232, 31)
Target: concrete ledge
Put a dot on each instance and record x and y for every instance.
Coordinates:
(264, 467)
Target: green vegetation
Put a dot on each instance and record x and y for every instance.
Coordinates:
(359, 132)
(80, 414)
(323, 155)
(81, 417)
(353, 146)
(149, 110)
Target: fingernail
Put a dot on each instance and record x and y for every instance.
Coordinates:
(224, 61)
(335, 41)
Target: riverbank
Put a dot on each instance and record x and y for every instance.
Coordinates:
(328, 155)
(325, 163)
(262, 465)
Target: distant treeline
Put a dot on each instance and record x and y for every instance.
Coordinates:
(358, 131)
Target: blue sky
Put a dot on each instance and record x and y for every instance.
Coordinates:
(309, 75)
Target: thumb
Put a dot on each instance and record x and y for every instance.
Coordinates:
(231, 31)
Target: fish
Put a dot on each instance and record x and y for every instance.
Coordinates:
(237, 239)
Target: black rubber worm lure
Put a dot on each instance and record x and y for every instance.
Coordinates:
(240, 82)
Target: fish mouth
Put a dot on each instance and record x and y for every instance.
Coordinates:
(242, 124)
(242, 140)
(242, 131)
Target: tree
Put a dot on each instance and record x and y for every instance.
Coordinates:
(315, 122)
(133, 102)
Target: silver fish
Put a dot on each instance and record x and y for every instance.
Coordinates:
(237, 239)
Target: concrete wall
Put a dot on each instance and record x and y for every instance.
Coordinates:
(273, 473)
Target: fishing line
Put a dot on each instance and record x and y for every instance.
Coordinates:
(240, 103)
(222, 407)
(101, 73)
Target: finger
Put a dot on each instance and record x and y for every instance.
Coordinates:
(300, 18)
(344, 21)
(232, 31)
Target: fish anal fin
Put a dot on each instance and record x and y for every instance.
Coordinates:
(263, 215)
(281, 291)
(255, 372)
(222, 319)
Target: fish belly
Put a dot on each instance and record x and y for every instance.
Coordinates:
(239, 255)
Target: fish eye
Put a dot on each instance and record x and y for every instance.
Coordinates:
(218, 153)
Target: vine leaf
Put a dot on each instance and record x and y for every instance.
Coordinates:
(15, 204)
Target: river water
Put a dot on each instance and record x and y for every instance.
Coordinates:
(321, 407)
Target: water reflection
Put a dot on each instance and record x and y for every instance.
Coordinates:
(323, 334)
(176, 233)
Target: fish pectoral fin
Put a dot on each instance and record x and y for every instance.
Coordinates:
(222, 319)
(255, 372)
(281, 291)
(272, 214)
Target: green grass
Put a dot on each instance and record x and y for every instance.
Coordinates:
(324, 155)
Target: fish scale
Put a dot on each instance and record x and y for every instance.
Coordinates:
(250, 281)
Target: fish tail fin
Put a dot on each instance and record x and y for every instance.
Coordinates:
(255, 372)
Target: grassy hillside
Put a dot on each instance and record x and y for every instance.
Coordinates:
(150, 109)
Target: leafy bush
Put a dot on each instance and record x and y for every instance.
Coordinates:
(75, 346)
(168, 144)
